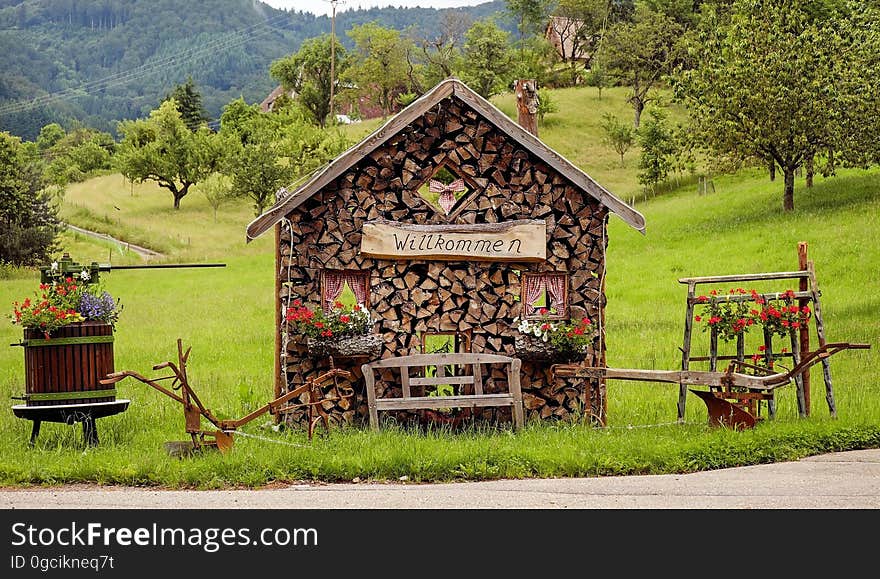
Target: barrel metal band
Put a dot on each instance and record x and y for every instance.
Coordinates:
(68, 341)
(45, 396)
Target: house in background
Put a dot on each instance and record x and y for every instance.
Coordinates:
(565, 36)
(269, 102)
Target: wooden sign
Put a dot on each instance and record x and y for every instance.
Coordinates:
(523, 240)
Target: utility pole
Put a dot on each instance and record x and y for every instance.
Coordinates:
(332, 56)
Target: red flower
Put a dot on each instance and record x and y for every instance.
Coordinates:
(698, 318)
(344, 319)
(543, 311)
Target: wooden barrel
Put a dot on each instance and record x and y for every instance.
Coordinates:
(67, 368)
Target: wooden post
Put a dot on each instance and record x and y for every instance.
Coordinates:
(820, 333)
(686, 347)
(527, 105)
(805, 329)
(768, 358)
(278, 315)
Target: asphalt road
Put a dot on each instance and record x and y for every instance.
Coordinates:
(843, 480)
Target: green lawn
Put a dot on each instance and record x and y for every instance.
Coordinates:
(225, 314)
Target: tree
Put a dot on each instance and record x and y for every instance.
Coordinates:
(619, 135)
(264, 152)
(640, 53)
(189, 104)
(163, 149)
(488, 59)
(580, 25)
(307, 72)
(29, 223)
(658, 149)
(441, 52)
(217, 190)
(379, 68)
(529, 15)
(782, 80)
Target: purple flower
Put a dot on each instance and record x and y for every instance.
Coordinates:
(101, 308)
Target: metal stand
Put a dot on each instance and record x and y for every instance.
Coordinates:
(70, 414)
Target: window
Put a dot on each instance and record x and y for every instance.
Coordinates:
(347, 286)
(544, 291)
(443, 343)
(445, 191)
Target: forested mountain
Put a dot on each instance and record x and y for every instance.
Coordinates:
(95, 62)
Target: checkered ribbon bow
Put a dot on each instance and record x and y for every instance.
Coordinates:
(447, 192)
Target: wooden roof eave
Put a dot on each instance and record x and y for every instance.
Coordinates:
(421, 105)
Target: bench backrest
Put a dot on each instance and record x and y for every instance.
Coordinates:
(441, 361)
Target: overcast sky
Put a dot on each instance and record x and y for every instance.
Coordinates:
(324, 7)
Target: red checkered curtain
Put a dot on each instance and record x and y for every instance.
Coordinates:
(357, 283)
(533, 285)
(556, 291)
(334, 281)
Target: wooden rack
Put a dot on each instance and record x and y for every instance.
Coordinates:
(807, 293)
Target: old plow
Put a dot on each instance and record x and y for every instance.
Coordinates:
(310, 396)
(732, 395)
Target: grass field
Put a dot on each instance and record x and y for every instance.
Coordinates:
(225, 314)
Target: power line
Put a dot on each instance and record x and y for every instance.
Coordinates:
(235, 39)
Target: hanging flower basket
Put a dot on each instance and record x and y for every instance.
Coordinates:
(534, 349)
(553, 341)
(345, 347)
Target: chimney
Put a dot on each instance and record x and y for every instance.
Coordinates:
(526, 91)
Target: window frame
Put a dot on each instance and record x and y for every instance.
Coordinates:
(563, 311)
(365, 274)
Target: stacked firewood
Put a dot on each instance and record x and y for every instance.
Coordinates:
(408, 297)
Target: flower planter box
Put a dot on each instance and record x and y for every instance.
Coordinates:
(67, 368)
(534, 349)
(368, 345)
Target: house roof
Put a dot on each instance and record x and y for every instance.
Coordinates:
(267, 103)
(453, 88)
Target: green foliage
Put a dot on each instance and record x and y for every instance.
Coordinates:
(28, 219)
(785, 80)
(639, 54)
(379, 66)
(488, 58)
(118, 58)
(216, 189)
(529, 15)
(308, 73)
(620, 136)
(164, 150)
(189, 104)
(546, 104)
(407, 98)
(74, 156)
(657, 141)
(264, 152)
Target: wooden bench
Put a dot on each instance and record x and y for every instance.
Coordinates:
(512, 398)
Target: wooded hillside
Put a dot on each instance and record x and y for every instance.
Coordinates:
(100, 62)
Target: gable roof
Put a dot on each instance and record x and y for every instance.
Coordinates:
(269, 101)
(450, 87)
